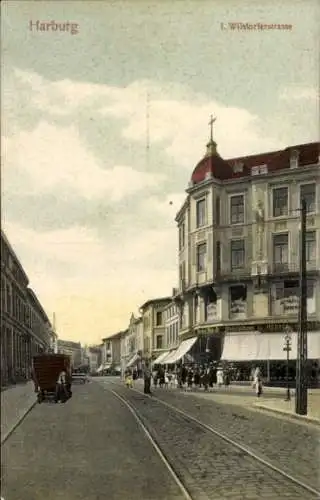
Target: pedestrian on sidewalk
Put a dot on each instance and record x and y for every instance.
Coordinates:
(196, 378)
(155, 377)
(61, 387)
(258, 382)
(190, 379)
(161, 377)
(205, 378)
(220, 376)
(147, 379)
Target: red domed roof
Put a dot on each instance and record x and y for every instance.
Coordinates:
(276, 160)
(214, 164)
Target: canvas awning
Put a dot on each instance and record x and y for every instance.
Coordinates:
(100, 369)
(133, 360)
(182, 350)
(160, 358)
(314, 345)
(255, 346)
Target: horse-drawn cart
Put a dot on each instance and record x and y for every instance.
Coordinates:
(46, 371)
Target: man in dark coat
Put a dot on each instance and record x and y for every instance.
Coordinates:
(147, 379)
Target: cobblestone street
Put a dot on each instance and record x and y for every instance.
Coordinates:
(289, 445)
(91, 448)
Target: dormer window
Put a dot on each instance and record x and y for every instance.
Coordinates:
(263, 169)
(259, 170)
(238, 167)
(294, 158)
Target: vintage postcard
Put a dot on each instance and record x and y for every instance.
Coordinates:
(160, 250)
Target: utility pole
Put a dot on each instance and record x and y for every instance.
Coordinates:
(302, 351)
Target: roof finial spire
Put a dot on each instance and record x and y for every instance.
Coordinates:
(211, 146)
(211, 122)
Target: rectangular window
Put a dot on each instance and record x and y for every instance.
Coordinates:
(218, 210)
(311, 246)
(183, 232)
(237, 254)
(280, 202)
(159, 341)
(308, 193)
(218, 258)
(201, 213)
(238, 302)
(159, 319)
(3, 294)
(280, 250)
(201, 257)
(286, 298)
(237, 209)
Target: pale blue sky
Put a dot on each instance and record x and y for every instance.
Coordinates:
(87, 214)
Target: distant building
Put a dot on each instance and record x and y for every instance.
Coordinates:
(72, 349)
(171, 322)
(53, 341)
(152, 313)
(94, 356)
(133, 344)
(111, 350)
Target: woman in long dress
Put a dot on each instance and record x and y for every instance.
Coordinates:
(220, 377)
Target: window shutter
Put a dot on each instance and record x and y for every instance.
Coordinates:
(194, 254)
(209, 248)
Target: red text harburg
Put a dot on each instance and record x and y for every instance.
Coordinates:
(72, 28)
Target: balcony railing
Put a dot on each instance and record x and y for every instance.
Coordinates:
(287, 268)
(233, 274)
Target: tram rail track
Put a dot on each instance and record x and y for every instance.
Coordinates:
(210, 465)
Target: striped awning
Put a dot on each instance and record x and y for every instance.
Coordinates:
(133, 360)
(160, 358)
(182, 350)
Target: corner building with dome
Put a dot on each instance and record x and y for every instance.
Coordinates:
(239, 259)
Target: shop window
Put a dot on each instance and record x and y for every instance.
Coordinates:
(238, 302)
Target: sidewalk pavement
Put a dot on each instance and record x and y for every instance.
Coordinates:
(273, 405)
(16, 402)
(287, 408)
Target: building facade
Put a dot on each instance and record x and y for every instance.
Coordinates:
(72, 349)
(126, 350)
(93, 355)
(154, 326)
(239, 232)
(111, 351)
(171, 324)
(25, 327)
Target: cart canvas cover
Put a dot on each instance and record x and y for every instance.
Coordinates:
(47, 367)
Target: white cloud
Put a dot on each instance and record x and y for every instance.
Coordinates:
(178, 118)
(92, 283)
(55, 157)
(299, 93)
(181, 125)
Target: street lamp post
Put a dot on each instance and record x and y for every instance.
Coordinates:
(287, 348)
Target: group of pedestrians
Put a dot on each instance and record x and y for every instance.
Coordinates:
(190, 377)
(193, 376)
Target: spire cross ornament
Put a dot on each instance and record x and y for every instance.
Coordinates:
(211, 122)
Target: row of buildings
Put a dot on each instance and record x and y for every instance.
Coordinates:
(239, 261)
(25, 326)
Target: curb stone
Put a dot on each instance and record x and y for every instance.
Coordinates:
(293, 416)
(18, 422)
